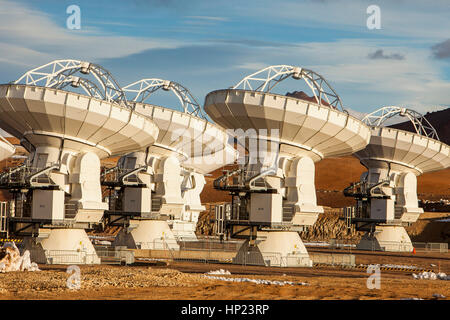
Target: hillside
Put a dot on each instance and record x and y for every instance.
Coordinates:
(335, 174)
(440, 120)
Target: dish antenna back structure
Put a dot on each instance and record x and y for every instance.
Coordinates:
(156, 191)
(68, 114)
(6, 149)
(386, 195)
(273, 189)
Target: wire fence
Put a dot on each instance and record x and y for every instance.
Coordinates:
(256, 258)
(272, 259)
(390, 246)
(333, 259)
(203, 245)
(203, 251)
(115, 255)
(63, 256)
(431, 246)
(216, 251)
(158, 244)
(375, 245)
(210, 245)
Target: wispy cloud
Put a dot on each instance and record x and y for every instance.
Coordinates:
(253, 42)
(209, 18)
(251, 66)
(441, 50)
(379, 54)
(32, 37)
(110, 23)
(417, 82)
(364, 85)
(195, 43)
(412, 19)
(204, 20)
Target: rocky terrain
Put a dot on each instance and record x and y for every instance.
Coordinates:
(97, 278)
(329, 226)
(187, 281)
(438, 119)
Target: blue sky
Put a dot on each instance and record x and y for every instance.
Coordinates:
(209, 45)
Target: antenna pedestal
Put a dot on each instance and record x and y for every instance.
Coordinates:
(147, 234)
(386, 238)
(61, 246)
(274, 248)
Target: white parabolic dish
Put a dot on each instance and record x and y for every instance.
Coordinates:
(199, 144)
(405, 149)
(45, 116)
(305, 128)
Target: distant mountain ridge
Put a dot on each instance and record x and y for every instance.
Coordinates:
(302, 95)
(440, 120)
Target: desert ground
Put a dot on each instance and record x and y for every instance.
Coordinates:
(188, 281)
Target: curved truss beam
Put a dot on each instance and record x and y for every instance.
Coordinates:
(144, 88)
(266, 79)
(419, 122)
(57, 73)
(89, 87)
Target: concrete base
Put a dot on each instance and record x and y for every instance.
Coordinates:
(387, 238)
(147, 234)
(62, 246)
(275, 248)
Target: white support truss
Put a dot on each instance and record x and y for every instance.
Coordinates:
(143, 89)
(266, 79)
(419, 122)
(59, 74)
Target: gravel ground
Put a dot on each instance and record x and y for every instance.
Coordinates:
(97, 278)
(187, 281)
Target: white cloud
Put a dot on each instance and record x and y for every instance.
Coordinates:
(31, 38)
(210, 18)
(417, 81)
(254, 66)
(411, 19)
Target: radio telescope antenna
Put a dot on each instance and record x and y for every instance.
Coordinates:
(386, 195)
(67, 133)
(168, 176)
(419, 122)
(266, 79)
(56, 73)
(295, 131)
(144, 88)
